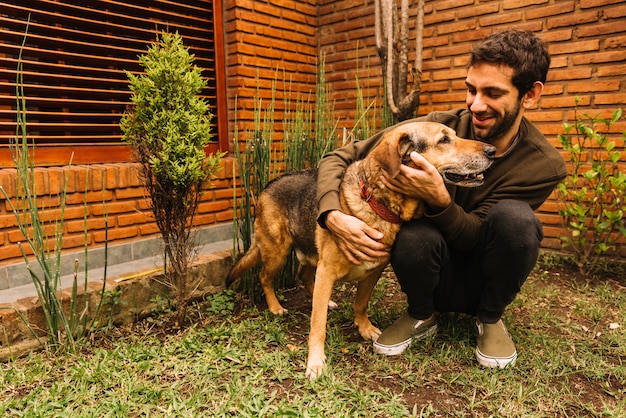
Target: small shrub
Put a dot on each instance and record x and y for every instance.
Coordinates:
(169, 127)
(591, 196)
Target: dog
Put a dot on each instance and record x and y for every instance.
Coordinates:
(286, 219)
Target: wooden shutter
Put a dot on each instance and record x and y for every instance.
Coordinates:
(74, 59)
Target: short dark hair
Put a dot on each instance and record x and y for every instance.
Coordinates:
(525, 53)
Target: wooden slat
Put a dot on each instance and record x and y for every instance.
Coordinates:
(74, 62)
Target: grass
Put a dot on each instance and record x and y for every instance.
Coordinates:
(239, 360)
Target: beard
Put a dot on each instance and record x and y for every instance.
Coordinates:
(501, 126)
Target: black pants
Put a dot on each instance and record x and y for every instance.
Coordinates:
(436, 277)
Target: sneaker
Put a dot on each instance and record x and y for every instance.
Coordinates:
(395, 339)
(495, 347)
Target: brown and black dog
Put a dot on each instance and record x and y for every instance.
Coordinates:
(286, 219)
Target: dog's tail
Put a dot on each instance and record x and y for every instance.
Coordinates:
(250, 259)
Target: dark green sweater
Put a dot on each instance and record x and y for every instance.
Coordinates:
(528, 172)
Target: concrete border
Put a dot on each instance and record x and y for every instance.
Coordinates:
(135, 283)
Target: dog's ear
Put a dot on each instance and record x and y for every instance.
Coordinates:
(392, 152)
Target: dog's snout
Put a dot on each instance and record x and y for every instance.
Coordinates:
(490, 151)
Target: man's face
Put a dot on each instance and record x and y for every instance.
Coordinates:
(493, 101)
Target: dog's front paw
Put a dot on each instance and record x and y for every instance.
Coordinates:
(314, 368)
(278, 310)
(369, 332)
(313, 372)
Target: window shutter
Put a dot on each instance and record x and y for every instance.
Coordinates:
(74, 59)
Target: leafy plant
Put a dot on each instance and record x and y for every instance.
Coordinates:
(221, 304)
(591, 196)
(309, 131)
(169, 127)
(43, 235)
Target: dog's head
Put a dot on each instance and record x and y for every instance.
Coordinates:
(460, 161)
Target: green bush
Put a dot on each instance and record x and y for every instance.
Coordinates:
(591, 196)
(169, 126)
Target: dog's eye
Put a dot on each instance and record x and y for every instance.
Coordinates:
(445, 140)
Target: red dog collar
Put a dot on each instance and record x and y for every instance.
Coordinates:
(378, 207)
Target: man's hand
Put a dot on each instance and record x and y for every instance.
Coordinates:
(423, 182)
(358, 241)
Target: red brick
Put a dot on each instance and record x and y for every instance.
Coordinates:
(445, 51)
(564, 101)
(204, 219)
(615, 42)
(593, 86)
(57, 181)
(570, 74)
(544, 116)
(11, 252)
(599, 57)
(79, 226)
(114, 208)
(210, 207)
(431, 19)
(55, 215)
(451, 4)
(586, 4)
(559, 62)
(551, 10)
(516, 4)
(226, 216)
(501, 18)
(8, 221)
(134, 219)
(148, 229)
(116, 234)
(467, 25)
(89, 197)
(130, 193)
(549, 219)
(574, 47)
(573, 19)
(7, 182)
(557, 35)
(617, 99)
(614, 12)
(598, 29)
(75, 241)
(451, 74)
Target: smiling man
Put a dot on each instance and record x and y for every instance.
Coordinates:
(474, 248)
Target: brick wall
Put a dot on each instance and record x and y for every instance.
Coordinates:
(113, 191)
(268, 40)
(586, 38)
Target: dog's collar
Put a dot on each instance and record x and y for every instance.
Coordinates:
(378, 207)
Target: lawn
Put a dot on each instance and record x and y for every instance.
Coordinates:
(238, 360)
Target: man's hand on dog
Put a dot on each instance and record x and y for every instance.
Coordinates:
(422, 182)
(357, 240)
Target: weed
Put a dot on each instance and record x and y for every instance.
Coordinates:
(43, 236)
(111, 306)
(592, 194)
(221, 303)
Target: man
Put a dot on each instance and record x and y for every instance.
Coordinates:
(474, 247)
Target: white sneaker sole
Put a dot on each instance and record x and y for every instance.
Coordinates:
(495, 362)
(394, 350)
